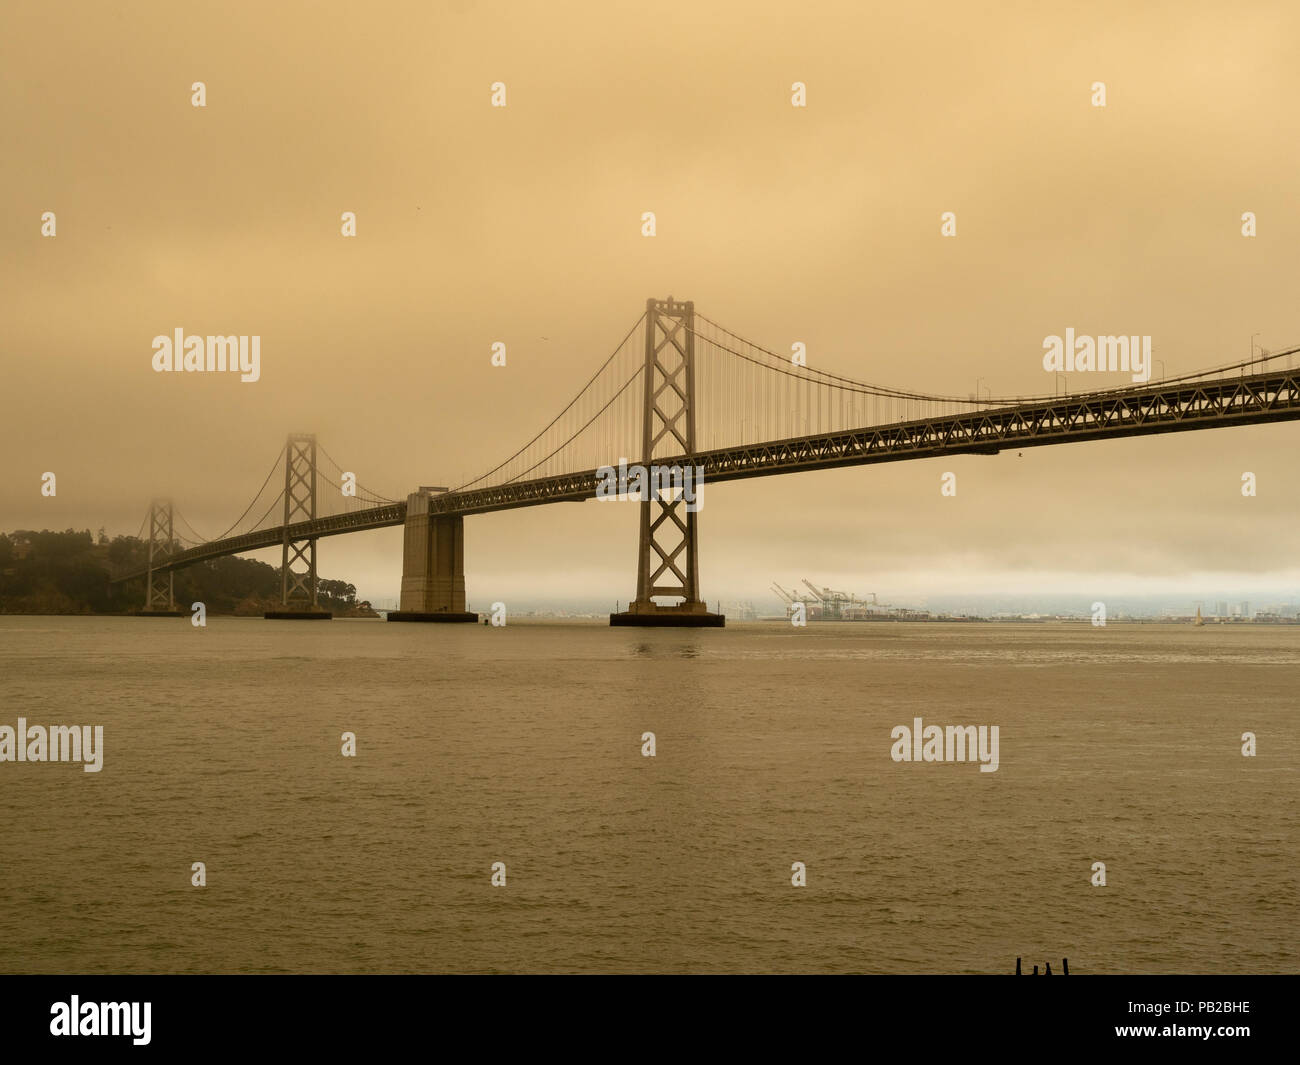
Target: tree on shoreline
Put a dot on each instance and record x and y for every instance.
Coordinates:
(70, 573)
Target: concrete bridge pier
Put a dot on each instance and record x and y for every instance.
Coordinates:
(433, 565)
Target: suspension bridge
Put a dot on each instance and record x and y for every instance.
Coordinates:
(680, 390)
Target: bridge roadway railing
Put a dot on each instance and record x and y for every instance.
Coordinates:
(1145, 410)
(372, 518)
(1178, 407)
(1139, 411)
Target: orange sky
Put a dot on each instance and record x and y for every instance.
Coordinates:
(819, 224)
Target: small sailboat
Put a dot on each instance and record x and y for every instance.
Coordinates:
(1199, 620)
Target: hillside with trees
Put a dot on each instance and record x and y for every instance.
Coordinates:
(70, 573)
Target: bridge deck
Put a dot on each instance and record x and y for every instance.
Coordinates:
(1141, 411)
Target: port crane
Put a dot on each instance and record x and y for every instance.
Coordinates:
(836, 604)
(789, 597)
(830, 604)
(793, 599)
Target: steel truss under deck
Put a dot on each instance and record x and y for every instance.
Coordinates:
(1141, 411)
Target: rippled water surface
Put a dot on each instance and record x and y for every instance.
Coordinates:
(522, 745)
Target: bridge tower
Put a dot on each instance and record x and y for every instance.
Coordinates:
(667, 560)
(298, 587)
(159, 588)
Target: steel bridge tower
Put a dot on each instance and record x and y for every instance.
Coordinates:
(668, 563)
(298, 587)
(159, 588)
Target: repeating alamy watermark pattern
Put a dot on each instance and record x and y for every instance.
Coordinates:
(57, 743)
(636, 482)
